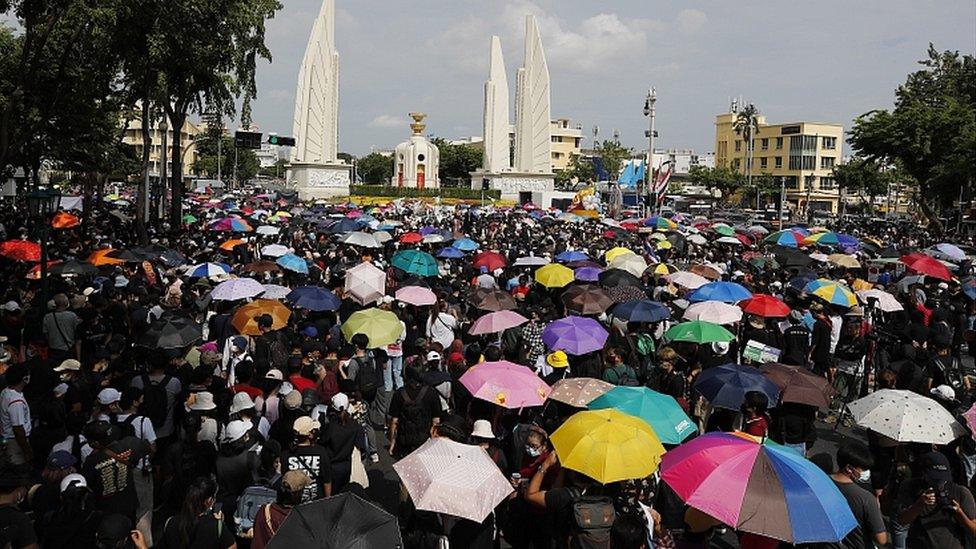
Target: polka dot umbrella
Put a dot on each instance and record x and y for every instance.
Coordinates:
(906, 417)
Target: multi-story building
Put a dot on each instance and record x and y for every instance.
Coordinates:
(189, 132)
(566, 139)
(801, 155)
(683, 159)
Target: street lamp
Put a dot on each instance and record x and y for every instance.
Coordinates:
(649, 112)
(41, 204)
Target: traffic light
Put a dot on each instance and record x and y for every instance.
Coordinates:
(281, 140)
(247, 140)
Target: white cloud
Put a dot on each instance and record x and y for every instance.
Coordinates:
(464, 43)
(387, 121)
(691, 21)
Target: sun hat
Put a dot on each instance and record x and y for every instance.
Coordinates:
(69, 364)
(340, 402)
(558, 359)
(202, 401)
(236, 429)
(305, 425)
(482, 429)
(242, 401)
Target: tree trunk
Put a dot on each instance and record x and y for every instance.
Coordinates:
(177, 117)
(142, 193)
(935, 224)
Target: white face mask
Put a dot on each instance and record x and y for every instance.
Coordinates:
(532, 451)
(865, 476)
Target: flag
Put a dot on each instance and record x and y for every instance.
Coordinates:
(661, 181)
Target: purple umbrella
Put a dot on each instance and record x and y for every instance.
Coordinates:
(499, 321)
(588, 274)
(428, 230)
(576, 335)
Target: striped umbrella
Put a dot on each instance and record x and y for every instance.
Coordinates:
(831, 292)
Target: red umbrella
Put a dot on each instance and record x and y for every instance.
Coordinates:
(765, 306)
(928, 266)
(492, 260)
(411, 238)
(65, 220)
(744, 239)
(21, 250)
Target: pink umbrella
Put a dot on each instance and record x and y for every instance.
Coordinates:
(506, 384)
(970, 416)
(416, 295)
(492, 323)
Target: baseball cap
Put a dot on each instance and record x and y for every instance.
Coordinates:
(11, 306)
(720, 347)
(340, 402)
(236, 429)
(944, 392)
(310, 331)
(69, 364)
(74, 479)
(432, 356)
(305, 425)
(274, 374)
(295, 481)
(112, 530)
(558, 359)
(293, 400)
(242, 401)
(60, 459)
(108, 396)
(935, 467)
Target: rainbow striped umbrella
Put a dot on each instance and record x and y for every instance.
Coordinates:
(661, 223)
(832, 239)
(786, 237)
(831, 292)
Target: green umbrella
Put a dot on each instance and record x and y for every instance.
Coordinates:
(698, 331)
(381, 327)
(189, 218)
(723, 229)
(416, 262)
(662, 412)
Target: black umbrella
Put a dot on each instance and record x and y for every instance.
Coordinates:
(173, 258)
(171, 331)
(678, 241)
(129, 256)
(791, 257)
(611, 278)
(346, 521)
(74, 268)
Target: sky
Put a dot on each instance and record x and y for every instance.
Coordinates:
(825, 61)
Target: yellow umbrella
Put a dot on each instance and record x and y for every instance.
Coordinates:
(664, 245)
(664, 269)
(608, 446)
(844, 260)
(860, 285)
(381, 327)
(616, 252)
(282, 213)
(554, 275)
(245, 319)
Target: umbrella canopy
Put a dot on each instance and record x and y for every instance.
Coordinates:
(790, 257)
(416, 295)
(661, 223)
(586, 299)
(758, 486)
(229, 245)
(261, 267)
(361, 239)
(766, 306)
(267, 230)
(616, 252)
(465, 244)
(274, 291)
(662, 412)
(274, 250)
(171, 331)
(727, 292)
(577, 335)
(450, 253)
(554, 275)
(906, 416)
(632, 263)
(345, 521)
(455, 479)
(613, 278)
(885, 301)
(799, 385)
(506, 384)
(491, 260)
(65, 220)
(926, 265)
(951, 251)
(245, 319)
(238, 288)
(208, 270)
(726, 386)
(21, 250)
(499, 321)
(698, 331)
(844, 260)
(381, 327)
(416, 262)
(831, 292)
(365, 283)
(723, 229)
(588, 274)
(345, 225)
(492, 300)
(571, 255)
(831, 239)
(74, 268)
(789, 238)
(293, 263)
(313, 298)
(579, 391)
(642, 310)
(687, 279)
(715, 312)
(232, 224)
(101, 257)
(607, 446)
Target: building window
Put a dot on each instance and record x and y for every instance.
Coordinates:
(802, 162)
(764, 143)
(576, 142)
(829, 143)
(735, 164)
(827, 183)
(556, 139)
(791, 182)
(723, 149)
(826, 162)
(779, 142)
(738, 145)
(778, 162)
(763, 163)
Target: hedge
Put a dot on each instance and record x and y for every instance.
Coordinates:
(408, 192)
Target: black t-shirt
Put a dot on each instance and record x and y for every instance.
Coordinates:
(16, 528)
(559, 506)
(934, 528)
(340, 439)
(315, 462)
(429, 403)
(867, 513)
(110, 477)
(208, 533)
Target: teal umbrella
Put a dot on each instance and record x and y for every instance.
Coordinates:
(416, 262)
(662, 412)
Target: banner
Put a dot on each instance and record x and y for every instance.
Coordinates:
(661, 182)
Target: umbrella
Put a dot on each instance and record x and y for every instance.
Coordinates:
(382, 237)
(577, 335)
(831, 292)
(411, 238)
(293, 263)
(715, 312)
(233, 224)
(531, 261)
(313, 298)
(229, 245)
(687, 279)
(906, 416)
(74, 268)
(506, 384)
(492, 300)
(698, 331)
(381, 327)
(642, 310)
(844, 260)
(465, 244)
(365, 283)
(274, 291)
(613, 278)
(799, 385)
(706, 271)
(662, 412)
(434, 238)
(578, 391)
(173, 258)
(786, 237)
(571, 255)
(171, 331)
(607, 446)
(951, 251)
(450, 253)
(491, 260)
(416, 262)
(726, 386)
(586, 299)
(267, 230)
(495, 322)
(661, 223)
(361, 239)
(615, 253)
(831, 239)
(928, 266)
(101, 257)
(238, 288)
(755, 485)
(261, 267)
(885, 302)
(416, 295)
(723, 229)
(21, 250)
(345, 521)
(587, 274)
(632, 263)
(208, 270)
(766, 306)
(345, 225)
(620, 294)
(554, 275)
(245, 319)
(274, 250)
(727, 292)
(455, 479)
(65, 220)
(789, 257)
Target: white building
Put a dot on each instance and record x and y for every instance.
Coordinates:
(417, 160)
(683, 159)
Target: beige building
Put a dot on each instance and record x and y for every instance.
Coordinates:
(133, 137)
(566, 139)
(801, 155)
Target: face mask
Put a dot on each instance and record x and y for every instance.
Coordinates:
(865, 476)
(65, 377)
(532, 451)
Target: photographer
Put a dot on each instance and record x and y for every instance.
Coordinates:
(937, 512)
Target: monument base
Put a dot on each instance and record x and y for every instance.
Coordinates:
(518, 187)
(313, 180)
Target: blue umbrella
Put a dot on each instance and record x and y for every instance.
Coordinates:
(293, 263)
(415, 262)
(313, 298)
(726, 292)
(588, 274)
(343, 226)
(465, 245)
(662, 412)
(726, 386)
(205, 270)
(969, 288)
(642, 311)
(571, 255)
(450, 252)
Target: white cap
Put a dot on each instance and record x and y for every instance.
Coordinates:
(482, 429)
(305, 425)
(69, 364)
(286, 388)
(944, 392)
(236, 429)
(242, 401)
(74, 479)
(11, 306)
(433, 355)
(340, 402)
(108, 396)
(274, 374)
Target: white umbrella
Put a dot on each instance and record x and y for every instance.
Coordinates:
(817, 256)
(238, 288)
(906, 417)
(267, 230)
(713, 311)
(275, 291)
(632, 263)
(729, 240)
(688, 280)
(698, 240)
(383, 237)
(361, 239)
(365, 283)
(886, 302)
(433, 238)
(531, 261)
(274, 250)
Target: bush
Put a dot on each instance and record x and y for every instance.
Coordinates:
(408, 192)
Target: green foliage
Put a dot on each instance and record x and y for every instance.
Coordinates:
(724, 179)
(613, 155)
(864, 177)
(406, 192)
(278, 170)
(374, 168)
(578, 169)
(206, 163)
(457, 162)
(765, 184)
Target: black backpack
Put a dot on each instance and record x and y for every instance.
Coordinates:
(414, 425)
(593, 517)
(366, 377)
(125, 426)
(155, 400)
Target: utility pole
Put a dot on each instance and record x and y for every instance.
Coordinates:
(650, 111)
(782, 199)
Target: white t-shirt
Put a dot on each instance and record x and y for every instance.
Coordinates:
(441, 329)
(144, 430)
(14, 412)
(396, 348)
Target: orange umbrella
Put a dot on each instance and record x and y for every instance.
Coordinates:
(245, 318)
(231, 244)
(65, 220)
(101, 257)
(35, 272)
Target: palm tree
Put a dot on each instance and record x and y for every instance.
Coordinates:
(746, 124)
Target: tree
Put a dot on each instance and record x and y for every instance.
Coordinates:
(457, 161)
(613, 155)
(277, 170)
(764, 185)
(931, 131)
(206, 163)
(746, 124)
(864, 177)
(375, 169)
(724, 179)
(578, 170)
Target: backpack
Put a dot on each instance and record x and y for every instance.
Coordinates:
(592, 518)
(277, 353)
(155, 400)
(414, 426)
(125, 426)
(366, 377)
(248, 505)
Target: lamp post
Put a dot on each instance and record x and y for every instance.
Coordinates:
(41, 203)
(649, 111)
